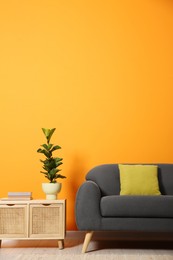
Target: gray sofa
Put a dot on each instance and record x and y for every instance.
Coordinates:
(99, 207)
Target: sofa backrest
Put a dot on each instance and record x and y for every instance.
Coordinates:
(107, 178)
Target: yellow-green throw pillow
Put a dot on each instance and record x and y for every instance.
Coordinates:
(138, 180)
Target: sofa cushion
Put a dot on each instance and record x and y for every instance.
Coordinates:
(138, 180)
(137, 206)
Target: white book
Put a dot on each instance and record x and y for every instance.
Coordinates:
(25, 193)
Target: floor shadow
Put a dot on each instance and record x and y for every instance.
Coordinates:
(68, 243)
(148, 245)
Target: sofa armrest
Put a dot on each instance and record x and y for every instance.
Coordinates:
(87, 208)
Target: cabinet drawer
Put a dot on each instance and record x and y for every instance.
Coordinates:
(47, 220)
(13, 221)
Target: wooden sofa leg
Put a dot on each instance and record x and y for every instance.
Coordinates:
(88, 237)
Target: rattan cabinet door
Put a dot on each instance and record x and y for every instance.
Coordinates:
(13, 221)
(47, 221)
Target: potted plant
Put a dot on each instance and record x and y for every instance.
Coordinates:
(50, 165)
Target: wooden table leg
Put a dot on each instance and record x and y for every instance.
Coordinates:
(61, 244)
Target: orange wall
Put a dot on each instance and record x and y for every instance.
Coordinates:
(101, 72)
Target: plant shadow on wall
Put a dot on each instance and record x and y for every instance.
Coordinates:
(50, 165)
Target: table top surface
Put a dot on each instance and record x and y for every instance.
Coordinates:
(30, 201)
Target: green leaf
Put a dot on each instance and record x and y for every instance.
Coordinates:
(60, 176)
(39, 150)
(58, 159)
(56, 147)
(45, 161)
(47, 147)
(48, 133)
(46, 153)
(45, 168)
(58, 164)
(53, 172)
(44, 172)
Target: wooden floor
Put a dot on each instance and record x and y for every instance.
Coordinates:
(98, 249)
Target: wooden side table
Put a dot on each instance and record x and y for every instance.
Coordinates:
(33, 219)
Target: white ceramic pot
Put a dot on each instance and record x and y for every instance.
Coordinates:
(51, 190)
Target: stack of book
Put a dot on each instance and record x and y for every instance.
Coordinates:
(26, 195)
